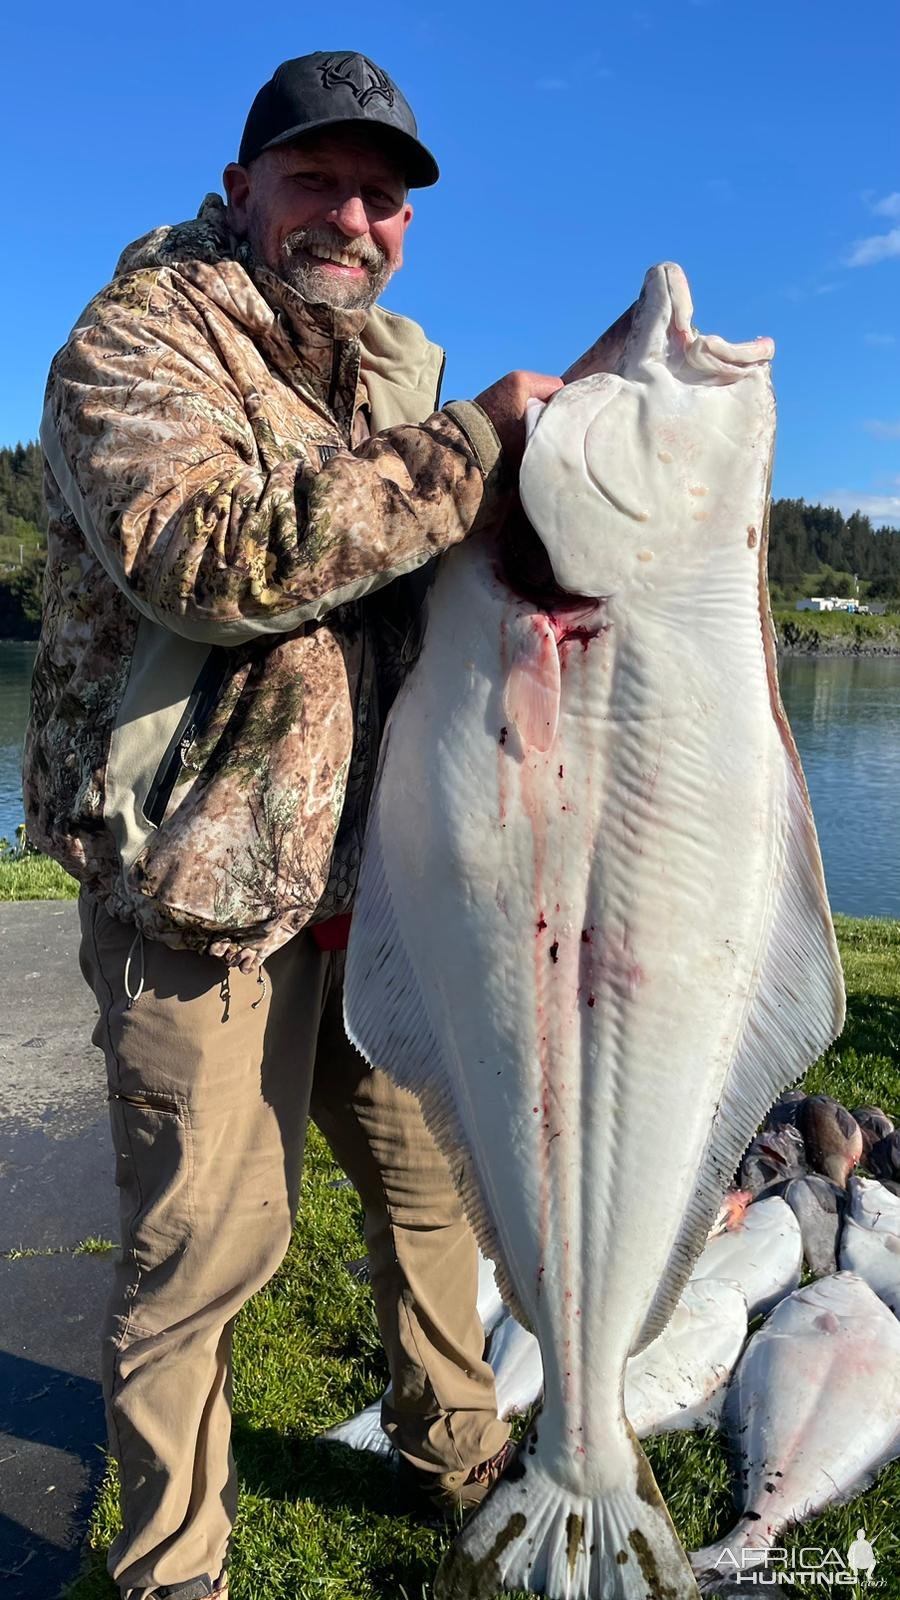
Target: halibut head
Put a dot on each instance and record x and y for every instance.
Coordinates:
(591, 932)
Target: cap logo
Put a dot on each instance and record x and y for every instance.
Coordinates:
(361, 76)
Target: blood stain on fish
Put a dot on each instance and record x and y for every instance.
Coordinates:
(751, 538)
(541, 922)
(554, 951)
(828, 1322)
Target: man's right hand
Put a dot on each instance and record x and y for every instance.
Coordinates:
(505, 403)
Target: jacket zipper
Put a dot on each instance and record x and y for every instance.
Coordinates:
(200, 706)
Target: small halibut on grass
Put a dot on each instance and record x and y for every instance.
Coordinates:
(812, 1414)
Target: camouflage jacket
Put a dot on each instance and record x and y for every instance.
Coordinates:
(205, 708)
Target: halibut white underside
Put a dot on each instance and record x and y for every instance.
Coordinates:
(591, 932)
(813, 1413)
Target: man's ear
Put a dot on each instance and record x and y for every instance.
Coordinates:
(407, 219)
(236, 180)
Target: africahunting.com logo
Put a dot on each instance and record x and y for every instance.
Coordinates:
(811, 1567)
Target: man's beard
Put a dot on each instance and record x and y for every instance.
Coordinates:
(321, 287)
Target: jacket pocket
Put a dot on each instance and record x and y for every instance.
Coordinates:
(153, 1175)
(201, 704)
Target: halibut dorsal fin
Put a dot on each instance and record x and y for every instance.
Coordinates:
(386, 1018)
(795, 1011)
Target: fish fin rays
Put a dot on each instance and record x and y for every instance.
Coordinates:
(795, 1012)
(620, 1545)
(387, 1019)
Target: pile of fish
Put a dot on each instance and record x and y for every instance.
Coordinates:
(591, 932)
(826, 1351)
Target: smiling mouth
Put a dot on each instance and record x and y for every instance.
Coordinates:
(334, 258)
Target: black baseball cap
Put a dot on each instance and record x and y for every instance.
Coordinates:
(332, 88)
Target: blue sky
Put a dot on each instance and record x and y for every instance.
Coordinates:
(754, 141)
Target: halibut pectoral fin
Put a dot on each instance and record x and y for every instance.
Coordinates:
(795, 1011)
(531, 693)
(386, 1018)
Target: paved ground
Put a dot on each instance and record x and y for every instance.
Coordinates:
(56, 1187)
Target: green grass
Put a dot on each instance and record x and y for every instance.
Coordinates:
(92, 1246)
(35, 878)
(320, 1522)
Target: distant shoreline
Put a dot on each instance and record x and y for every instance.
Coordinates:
(803, 633)
(836, 633)
(833, 647)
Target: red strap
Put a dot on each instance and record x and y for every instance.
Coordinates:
(334, 933)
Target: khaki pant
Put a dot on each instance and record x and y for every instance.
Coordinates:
(211, 1078)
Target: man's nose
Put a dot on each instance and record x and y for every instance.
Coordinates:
(349, 215)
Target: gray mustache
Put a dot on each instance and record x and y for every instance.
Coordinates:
(365, 254)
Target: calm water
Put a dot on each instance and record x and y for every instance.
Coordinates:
(845, 713)
(16, 662)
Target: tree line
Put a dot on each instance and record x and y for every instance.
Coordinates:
(817, 541)
(811, 547)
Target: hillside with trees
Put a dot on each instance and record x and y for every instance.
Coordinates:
(812, 549)
(23, 540)
(816, 550)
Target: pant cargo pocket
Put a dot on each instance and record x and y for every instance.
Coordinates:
(153, 1174)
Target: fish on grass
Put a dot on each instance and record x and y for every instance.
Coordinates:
(812, 1414)
(591, 931)
(819, 1206)
(763, 1255)
(680, 1380)
(870, 1243)
(677, 1382)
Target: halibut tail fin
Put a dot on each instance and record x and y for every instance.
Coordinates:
(721, 1566)
(535, 1535)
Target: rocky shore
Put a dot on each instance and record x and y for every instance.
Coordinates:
(837, 633)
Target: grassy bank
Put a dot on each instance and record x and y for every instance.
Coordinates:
(321, 1522)
(836, 632)
(33, 877)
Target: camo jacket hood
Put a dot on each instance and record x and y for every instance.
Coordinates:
(222, 626)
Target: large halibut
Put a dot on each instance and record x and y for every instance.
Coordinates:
(591, 931)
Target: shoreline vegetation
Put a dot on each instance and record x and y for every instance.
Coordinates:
(822, 633)
(835, 633)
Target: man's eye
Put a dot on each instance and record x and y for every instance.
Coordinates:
(310, 180)
(383, 200)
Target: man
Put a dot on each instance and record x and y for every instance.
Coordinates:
(246, 475)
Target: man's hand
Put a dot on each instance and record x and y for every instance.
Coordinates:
(505, 403)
